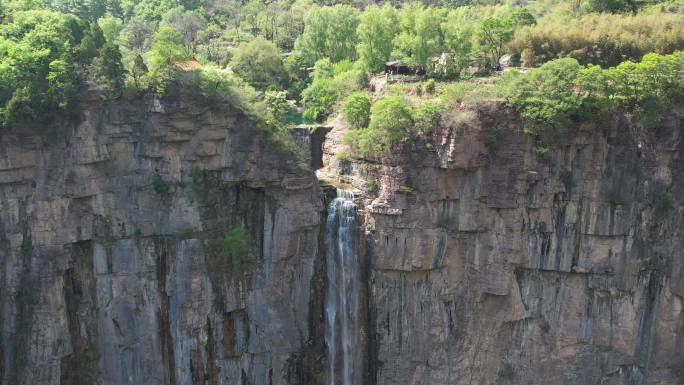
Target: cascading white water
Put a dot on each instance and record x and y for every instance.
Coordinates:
(342, 293)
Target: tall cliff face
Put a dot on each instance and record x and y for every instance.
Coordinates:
(481, 259)
(492, 261)
(112, 269)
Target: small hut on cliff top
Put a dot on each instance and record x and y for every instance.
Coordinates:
(396, 67)
(186, 65)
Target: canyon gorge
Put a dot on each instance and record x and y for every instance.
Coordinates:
(472, 255)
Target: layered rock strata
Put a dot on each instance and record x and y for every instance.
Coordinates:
(495, 259)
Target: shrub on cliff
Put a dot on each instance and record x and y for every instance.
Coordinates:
(551, 96)
(235, 247)
(320, 97)
(391, 120)
(391, 117)
(356, 110)
(545, 96)
(648, 88)
(664, 202)
(427, 116)
(214, 84)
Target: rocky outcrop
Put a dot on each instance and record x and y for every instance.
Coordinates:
(113, 268)
(485, 258)
(493, 259)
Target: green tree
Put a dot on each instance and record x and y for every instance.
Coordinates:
(427, 116)
(111, 28)
(545, 96)
(521, 17)
(221, 85)
(323, 69)
(492, 35)
(41, 53)
(259, 63)
(290, 24)
(390, 122)
(356, 110)
(187, 23)
(421, 35)
(107, 69)
(150, 10)
(86, 9)
(495, 32)
(648, 87)
(135, 36)
(167, 45)
(598, 89)
(458, 32)
(138, 71)
(278, 105)
(613, 6)
(329, 32)
(318, 99)
(376, 32)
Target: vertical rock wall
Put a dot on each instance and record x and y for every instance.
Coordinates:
(496, 261)
(111, 262)
(485, 258)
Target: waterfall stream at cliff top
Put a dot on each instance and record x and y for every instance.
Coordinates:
(342, 293)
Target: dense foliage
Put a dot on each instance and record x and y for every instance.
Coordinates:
(427, 116)
(266, 58)
(545, 96)
(356, 110)
(551, 96)
(41, 56)
(376, 32)
(329, 86)
(259, 64)
(603, 39)
(329, 32)
(391, 120)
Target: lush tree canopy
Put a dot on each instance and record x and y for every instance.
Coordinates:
(329, 32)
(259, 63)
(376, 33)
(421, 35)
(265, 55)
(356, 110)
(41, 53)
(391, 120)
(550, 96)
(545, 96)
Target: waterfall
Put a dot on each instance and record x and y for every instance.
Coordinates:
(342, 293)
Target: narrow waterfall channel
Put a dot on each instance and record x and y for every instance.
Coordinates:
(342, 293)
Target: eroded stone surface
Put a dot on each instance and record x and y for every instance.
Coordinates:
(509, 266)
(112, 271)
(484, 261)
